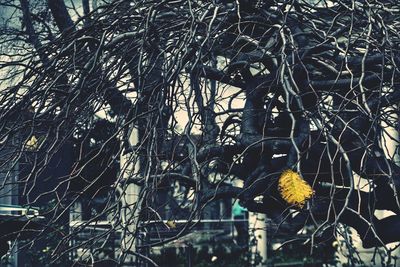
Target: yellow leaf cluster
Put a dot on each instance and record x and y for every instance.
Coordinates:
(294, 190)
(171, 224)
(32, 143)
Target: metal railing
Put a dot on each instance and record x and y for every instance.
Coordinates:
(14, 210)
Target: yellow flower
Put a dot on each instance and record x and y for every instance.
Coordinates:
(294, 190)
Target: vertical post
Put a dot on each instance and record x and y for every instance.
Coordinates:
(129, 167)
(75, 217)
(258, 235)
(189, 255)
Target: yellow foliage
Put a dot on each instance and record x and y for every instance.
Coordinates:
(171, 224)
(294, 190)
(32, 143)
